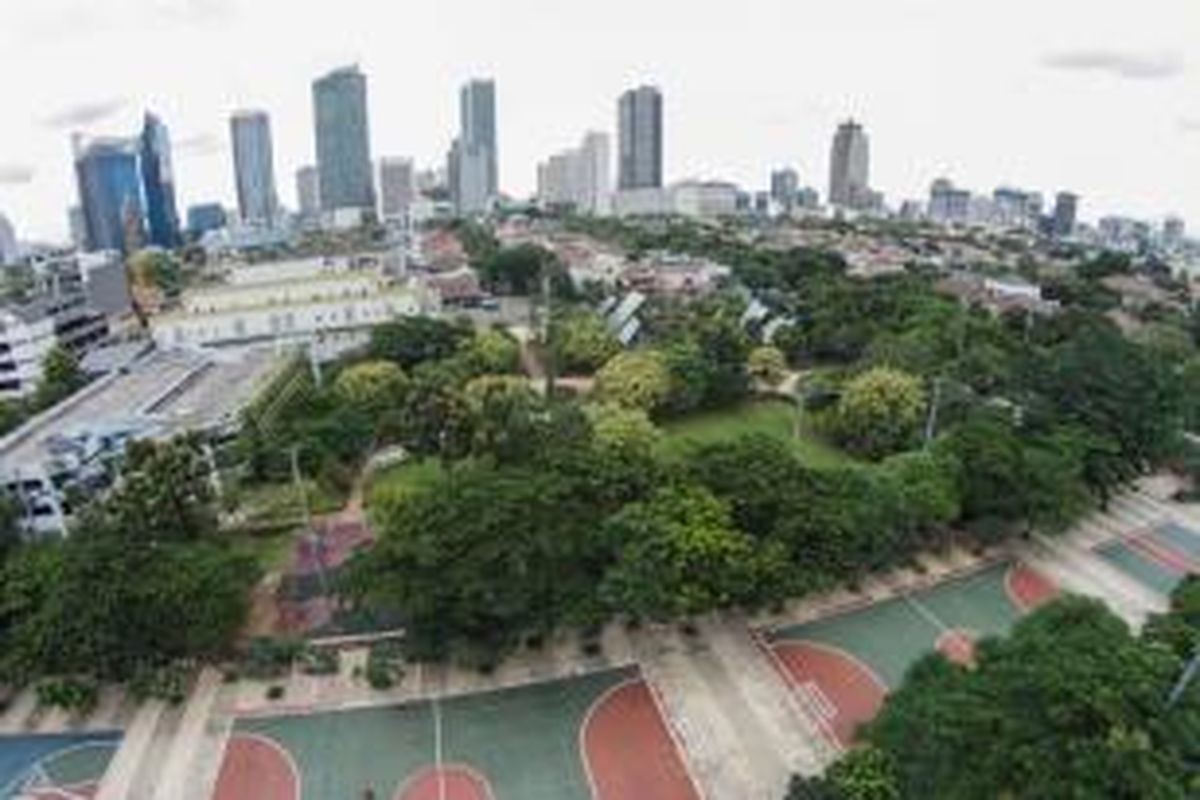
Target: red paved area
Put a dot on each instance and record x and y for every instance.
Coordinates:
(451, 782)
(256, 768)
(854, 691)
(1163, 554)
(1028, 588)
(958, 646)
(628, 752)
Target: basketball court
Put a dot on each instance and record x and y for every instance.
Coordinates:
(847, 663)
(55, 767)
(596, 736)
(1158, 557)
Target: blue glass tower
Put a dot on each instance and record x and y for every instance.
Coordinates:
(110, 193)
(159, 183)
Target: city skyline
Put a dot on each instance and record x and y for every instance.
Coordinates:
(987, 106)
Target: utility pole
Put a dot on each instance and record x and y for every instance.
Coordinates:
(548, 355)
(931, 421)
(311, 535)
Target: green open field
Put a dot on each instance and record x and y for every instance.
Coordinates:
(776, 418)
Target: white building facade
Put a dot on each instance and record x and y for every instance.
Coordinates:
(329, 308)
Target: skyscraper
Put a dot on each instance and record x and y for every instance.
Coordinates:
(110, 192)
(1066, 208)
(785, 183)
(343, 140)
(254, 167)
(396, 187)
(158, 183)
(477, 169)
(850, 167)
(640, 139)
(78, 225)
(308, 192)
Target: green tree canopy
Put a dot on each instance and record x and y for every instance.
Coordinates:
(635, 379)
(879, 412)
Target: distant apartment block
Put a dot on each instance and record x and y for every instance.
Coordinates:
(74, 299)
(397, 188)
(579, 178)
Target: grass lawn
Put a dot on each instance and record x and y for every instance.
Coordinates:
(271, 550)
(400, 479)
(775, 418)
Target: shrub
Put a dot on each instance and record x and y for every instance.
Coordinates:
(319, 661)
(275, 692)
(77, 695)
(271, 657)
(384, 665)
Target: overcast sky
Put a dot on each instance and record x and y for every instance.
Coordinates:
(1099, 97)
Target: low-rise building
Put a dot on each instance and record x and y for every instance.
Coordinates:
(327, 306)
(73, 448)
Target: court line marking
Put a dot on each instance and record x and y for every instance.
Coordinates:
(798, 692)
(680, 752)
(453, 766)
(264, 739)
(600, 701)
(37, 767)
(1009, 588)
(866, 669)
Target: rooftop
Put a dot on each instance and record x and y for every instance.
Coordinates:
(162, 394)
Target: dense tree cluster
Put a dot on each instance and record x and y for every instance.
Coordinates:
(144, 578)
(1070, 704)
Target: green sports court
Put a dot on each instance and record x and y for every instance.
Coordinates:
(1157, 557)
(848, 662)
(54, 766)
(598, 736)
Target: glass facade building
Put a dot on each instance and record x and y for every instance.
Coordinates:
(162, 216)
(111, 194)
(343, 141)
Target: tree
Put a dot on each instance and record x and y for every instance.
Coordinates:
(493, 352)
(516, 270)
(1070, 704)
(435, 418)
(626, 429)
(580, 343)
(61, 377)
(679, 555)
(415, 340)
(879, 412)
(767, 365)
(864, 773)
(506, 417)
(635, 379)
(164, 493)
(927, 485)
(376, 388)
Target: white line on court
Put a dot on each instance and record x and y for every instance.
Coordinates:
(437, 747)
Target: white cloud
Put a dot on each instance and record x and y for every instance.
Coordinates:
(1132, 66)
(15, 174)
